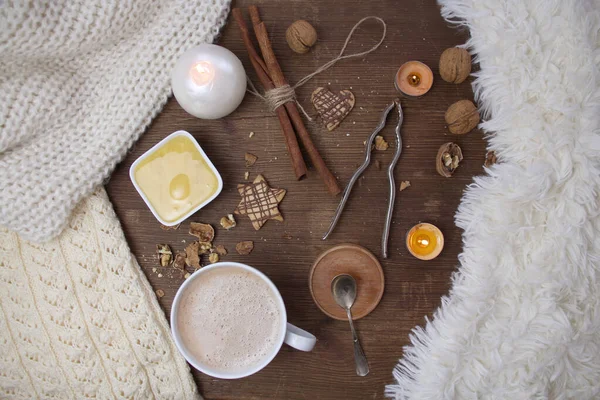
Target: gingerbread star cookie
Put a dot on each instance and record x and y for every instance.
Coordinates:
(259, 202)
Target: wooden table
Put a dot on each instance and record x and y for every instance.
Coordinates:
(416, 31)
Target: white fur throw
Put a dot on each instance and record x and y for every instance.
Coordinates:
(80, 80)
(522, 320)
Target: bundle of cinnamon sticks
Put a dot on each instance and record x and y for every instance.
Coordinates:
(271, 76)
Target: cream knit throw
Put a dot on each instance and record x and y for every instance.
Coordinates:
(79, 320)
(80, 80)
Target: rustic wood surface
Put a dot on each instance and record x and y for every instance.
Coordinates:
(285, 251)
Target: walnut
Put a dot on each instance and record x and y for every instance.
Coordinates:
(455, 65)
(221, 250)
(164, 253)
(204, 232)
(490, 159)
(301, 36)
(250, 159)
(204, 247)
(192, 258)
(179, 262)
(244, 248)
(380, 143)
(462, 117)
(448, 157)
(228, 222)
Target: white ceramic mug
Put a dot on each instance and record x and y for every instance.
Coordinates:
(290, 334)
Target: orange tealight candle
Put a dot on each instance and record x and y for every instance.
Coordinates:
(414, 78)
(425, 241)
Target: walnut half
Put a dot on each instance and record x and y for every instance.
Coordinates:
(448, 157)
(164, 253)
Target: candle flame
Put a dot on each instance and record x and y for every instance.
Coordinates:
(202, 73)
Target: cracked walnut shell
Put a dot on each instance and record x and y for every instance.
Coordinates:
(462, 117)
(204, 232)
(192, 258)
(448, 157)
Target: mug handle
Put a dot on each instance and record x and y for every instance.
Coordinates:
(299, 338)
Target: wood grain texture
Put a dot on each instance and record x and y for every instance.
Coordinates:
(285, 251)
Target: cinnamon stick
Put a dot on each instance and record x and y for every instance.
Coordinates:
(278, 79)
(291, 142)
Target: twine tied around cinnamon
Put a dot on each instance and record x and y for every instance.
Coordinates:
(278, 96)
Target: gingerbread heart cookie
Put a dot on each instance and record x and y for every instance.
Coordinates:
(332, 107)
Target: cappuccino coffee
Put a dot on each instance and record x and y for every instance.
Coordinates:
(229, 319)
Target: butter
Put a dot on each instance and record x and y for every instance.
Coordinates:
(175, 178)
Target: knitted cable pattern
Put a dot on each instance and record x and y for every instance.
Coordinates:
(79, 320)
(80, 82)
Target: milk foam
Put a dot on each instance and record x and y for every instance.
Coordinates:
(229, 319)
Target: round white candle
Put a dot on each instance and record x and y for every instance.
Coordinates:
(209, 81)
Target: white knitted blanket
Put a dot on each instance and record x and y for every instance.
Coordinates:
(79, 320)
(80, 80)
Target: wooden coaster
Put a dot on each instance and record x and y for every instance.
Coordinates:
(347, 259)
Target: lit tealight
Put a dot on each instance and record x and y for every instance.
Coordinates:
(202, 73)
(425, 241)
(209, 81)
(414, 78)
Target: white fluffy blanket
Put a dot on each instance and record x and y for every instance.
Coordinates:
(522, 320)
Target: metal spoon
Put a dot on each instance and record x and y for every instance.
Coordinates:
(343, 289)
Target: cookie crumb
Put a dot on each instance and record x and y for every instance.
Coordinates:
(250, 159)
(159, 293)
(213, 258)
(251, 134)
(170, 228)
(404, 185)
